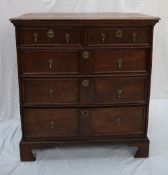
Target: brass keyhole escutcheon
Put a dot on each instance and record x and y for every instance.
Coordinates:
(50, 34)
(35, 35)
(119, 33)
(86, 55)
(85, 83)
(85, 113)
(52, 124)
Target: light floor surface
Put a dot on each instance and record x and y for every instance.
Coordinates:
(89, 160)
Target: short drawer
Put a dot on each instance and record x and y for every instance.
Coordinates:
(110, 36)
(118, 121)
(49, 62)
(49, 123)
(113, 90)
(57, 37)
(50, 91)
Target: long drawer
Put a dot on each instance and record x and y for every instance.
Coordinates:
(84, 62)
(84, 91)
(48, 123)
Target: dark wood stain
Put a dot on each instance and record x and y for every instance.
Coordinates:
(87, 83)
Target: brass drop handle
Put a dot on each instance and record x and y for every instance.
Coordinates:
(85, 83)
(85, 113)
(52, 124)
(134, 35)
(67, 36)
(50, 34)
(51, 91)
(103, 35)
(118, 120)
(50, 63)
(119, 92)
(119, 61)
(35, 35)
(119, 33)
(86, 55)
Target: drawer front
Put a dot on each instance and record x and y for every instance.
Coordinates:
(109, 36)
(50, 91)
(118, 121)
(49, 62)
(56, 123)
(46, 123)
(59, 37)
(120, 60)
(117, 90)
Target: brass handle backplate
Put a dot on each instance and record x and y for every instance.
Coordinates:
(103, 35)
(119, 33)
(86, 55)
(67, 36)
(118, 120)
(35, 35)
(85, 83)
(50, 34)
(119, 61)
(50, 63)
(52, 124)
(119, 92)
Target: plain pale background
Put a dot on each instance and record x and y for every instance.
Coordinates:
(9, 101)
(99, 160)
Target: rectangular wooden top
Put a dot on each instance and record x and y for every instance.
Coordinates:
(84, 16)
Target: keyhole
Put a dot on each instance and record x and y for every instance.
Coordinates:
(85, 113)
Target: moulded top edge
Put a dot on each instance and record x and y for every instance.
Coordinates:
(84, 16)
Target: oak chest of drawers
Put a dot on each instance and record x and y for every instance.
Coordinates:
(84, 78)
